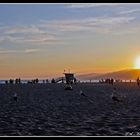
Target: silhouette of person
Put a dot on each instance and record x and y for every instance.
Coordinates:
(75, 80)
(138, 81)
(112, 81)
(53, 81)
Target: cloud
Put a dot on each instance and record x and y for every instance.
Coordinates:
(62, 25)
(89, 5)
(129, 11)
(95, 24)
(9, 51)
(27, 50)
(39, 39)
(22, 29)
(127, 30)
(109, 20)
(32, 50)
(27, 34)
(54, 31)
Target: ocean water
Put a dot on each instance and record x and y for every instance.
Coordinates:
(2, 81)
(89, 81)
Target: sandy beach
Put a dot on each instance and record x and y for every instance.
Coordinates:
(49, 110)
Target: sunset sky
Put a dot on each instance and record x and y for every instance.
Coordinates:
(41, 40)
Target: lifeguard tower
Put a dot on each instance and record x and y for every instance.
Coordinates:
(69, 78)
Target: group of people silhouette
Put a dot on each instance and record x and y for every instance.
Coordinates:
(12, 81)
(108, 80)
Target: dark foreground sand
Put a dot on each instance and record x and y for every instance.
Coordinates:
(49, 110)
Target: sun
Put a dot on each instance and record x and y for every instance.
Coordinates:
(137, 63)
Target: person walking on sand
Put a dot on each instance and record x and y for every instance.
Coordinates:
(15, 97)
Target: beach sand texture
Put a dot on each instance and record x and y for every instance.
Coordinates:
(49, 110)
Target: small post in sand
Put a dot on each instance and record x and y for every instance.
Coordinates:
(15, 97)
